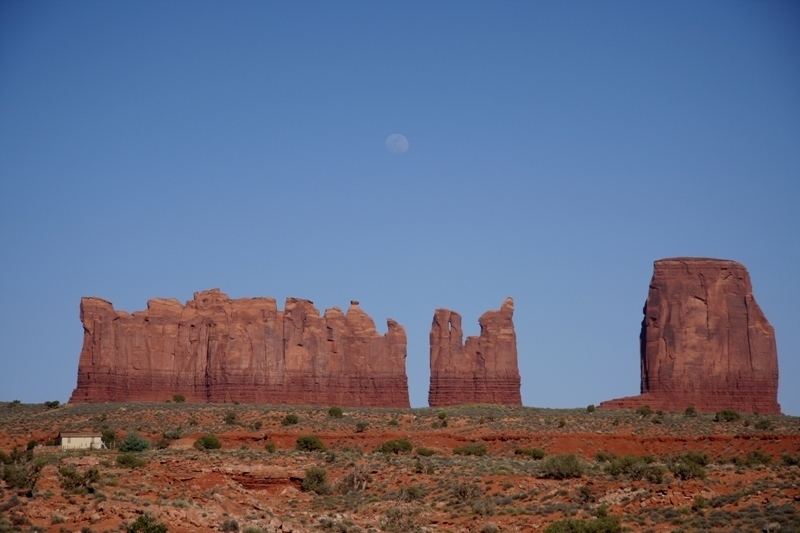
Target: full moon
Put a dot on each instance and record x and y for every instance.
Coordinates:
(397, 143)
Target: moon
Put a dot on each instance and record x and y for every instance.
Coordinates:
(397, 143)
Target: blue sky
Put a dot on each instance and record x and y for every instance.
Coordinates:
(556, 150)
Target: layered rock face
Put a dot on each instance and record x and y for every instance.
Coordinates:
(482, 370)
(215, 349)
(704, 341)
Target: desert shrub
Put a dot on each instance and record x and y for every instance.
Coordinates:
(270, 446)
(602, 457)
(394, 422)
(22, 472)
(173, 434)
(230, 417)
(229, 525)
(147, 524)
(464, 492)
(483, 507)
(490, 527)
(396, 447)
(52, 405)
(605, 524)
(72, 481)
(179, 398)
(133, 442)
(690, 412)
(335, 412)
(590, 408)
(316, 480)
(411, 493)
(727, 415)
(256, 425)
(129, 460)
(695, 456)
(207, 442)
(425, 452)
(763, 424)
(399, 519)
(357, 479)
(563, 466)
(644, 410)
(310, 443)
(473, 448)
(634, 467)
(683, 468)
(361, 427)
(108, 436)
(789, 459)
(756, 457)
(533, 453)
(290, 420)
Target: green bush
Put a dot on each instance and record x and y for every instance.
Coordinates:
(133, 442)
(763, 424)
(270, 446)
(425, 452)
(335, 412)
(316, 480)
(394, 422)
(727, 415)
(207, 442)
(690, 412)
(230, 525)
(310, 443)
(72, 481)
(173, 434)
(789, 459)
(109, 437)
(634, 468)
(684, 468)
(695, 456)
(473, 448)
(290, 420)
(147, 524)
(129, 460)
(178, 398)
(563, 466)
(533, 453)
(230, 417)
(20, 471)
(361, 427)
(605, 524)
(644, 410)
(396, 447)
(590, 408)
(464, 492)
(52, 405)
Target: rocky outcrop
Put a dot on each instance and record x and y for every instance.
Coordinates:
(704, 341)
(482, 370)
(214, 349)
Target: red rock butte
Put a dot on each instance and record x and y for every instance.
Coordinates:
(705, 342)
(215, 349)
(482, 370)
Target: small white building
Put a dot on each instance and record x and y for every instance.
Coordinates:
(77, 440)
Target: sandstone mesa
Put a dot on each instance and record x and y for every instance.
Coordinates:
(214, 349)
(705, 341)
(482, 370)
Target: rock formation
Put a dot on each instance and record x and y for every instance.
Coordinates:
(704, 341)
(215, 349)
(484, 370)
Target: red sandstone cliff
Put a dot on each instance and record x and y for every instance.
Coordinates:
(704, 341)
(215, 349)
(484, 370)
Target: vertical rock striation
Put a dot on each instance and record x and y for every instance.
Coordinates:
(704, 341)
(482, 370)
(215, 349)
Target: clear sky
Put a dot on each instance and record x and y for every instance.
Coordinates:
(556, 149)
